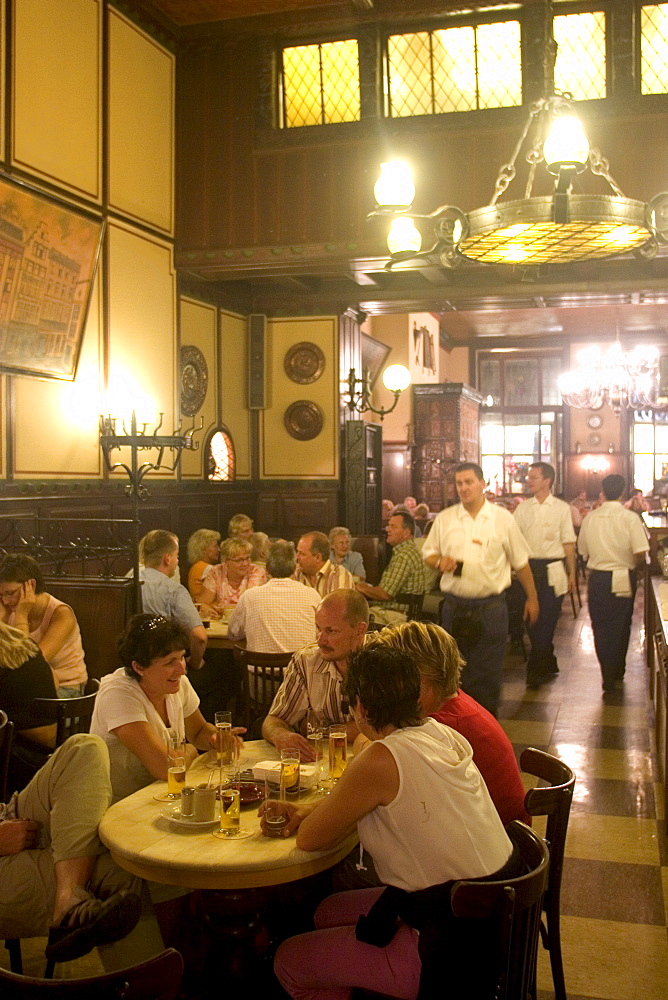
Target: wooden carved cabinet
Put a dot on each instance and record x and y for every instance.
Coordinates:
(445, 420)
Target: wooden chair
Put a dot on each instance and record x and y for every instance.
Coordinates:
(554, 802)
(6, 738)
(71, 715)
(157, 979)
(414, 602)
(262, 675)
(510, 911)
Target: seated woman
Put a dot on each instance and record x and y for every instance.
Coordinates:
(240, 526)
(49, 622)
(146, 701)
(24, 676)
(225, 583)
(341, 553)
(422, 810)
(203, 553)
(260, 544)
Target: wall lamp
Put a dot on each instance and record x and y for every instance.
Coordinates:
(396, 378)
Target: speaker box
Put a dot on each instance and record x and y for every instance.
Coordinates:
(257, 353)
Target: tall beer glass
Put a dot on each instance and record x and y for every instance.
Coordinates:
(338, 745)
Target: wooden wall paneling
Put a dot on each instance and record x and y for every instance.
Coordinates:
(56, 98)
(142, 326)
(102, 607)
(269, 514)
(397, 471)
(56, 425)
(579, 478)
(193, 516)
(141, 125)
(3, 77)
(198, 328)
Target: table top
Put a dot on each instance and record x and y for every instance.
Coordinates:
(147, 844)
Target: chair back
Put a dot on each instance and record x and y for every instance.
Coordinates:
(157, 979)
(512, 910)
(71, 715)
(553, 801)
(412, 601)
(6, 738)
(262, 675)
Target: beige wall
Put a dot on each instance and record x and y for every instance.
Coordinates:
(393, 331)
(281, 455)
(199, 328)
(455, 365)
(233, 376)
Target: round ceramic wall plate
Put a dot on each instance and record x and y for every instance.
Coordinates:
(595, 421)
(304, 363)
(194, 380)
(303, 420)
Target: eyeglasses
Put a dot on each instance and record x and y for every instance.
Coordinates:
(241, 559)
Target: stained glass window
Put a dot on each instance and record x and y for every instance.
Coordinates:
(221, 458)
(321, 84)
(455, 69)
(654, 48)
(580, 68)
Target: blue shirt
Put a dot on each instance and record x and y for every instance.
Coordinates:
(352, 561)
(163, 596)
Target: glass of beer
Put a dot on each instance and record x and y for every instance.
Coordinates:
(176, 770)
(274, 816)
(315, 735)
(338, 745)
(230, 812)
(225, 749)
(289, 772)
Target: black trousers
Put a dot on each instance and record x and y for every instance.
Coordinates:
(611, 623)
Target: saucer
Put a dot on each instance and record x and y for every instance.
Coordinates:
(173, 813)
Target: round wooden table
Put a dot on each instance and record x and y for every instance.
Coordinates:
(147, 844)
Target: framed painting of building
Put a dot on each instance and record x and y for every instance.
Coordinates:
(49, 253)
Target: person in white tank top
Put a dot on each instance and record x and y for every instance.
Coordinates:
(422, 810)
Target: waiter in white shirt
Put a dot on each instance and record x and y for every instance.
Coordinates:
(547, 526)
(614, 542)
(475, 544)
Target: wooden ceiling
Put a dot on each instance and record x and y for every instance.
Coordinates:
(627, 297)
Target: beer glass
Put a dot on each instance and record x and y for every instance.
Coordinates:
(275, 818)
(338, 745)
(290, 772)
(315, 735)
(225, 749)
(230, 811)
(176, 770)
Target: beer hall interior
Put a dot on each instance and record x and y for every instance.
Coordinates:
(227, 152)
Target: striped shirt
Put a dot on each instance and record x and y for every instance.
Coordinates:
(310, 682)
(276, 618)
(328, 578)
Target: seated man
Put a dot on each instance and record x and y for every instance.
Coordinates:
(56, 878)
(161, 595)
(436, 654)
(49, 622)
(315, 674)
(280, 616)
(405, 572)
(315, 569)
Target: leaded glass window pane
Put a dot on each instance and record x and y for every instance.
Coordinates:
(521, 378)
(551, 370)
(490, 379)
(321, 84)
(455, 69)
(581, 64)
(654, 48)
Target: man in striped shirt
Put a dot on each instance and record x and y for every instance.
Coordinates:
(314, 567)
(315, 674)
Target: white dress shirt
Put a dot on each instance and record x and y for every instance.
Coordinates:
(546, 526)
(489, 546)
(610, 536)
(276, 618)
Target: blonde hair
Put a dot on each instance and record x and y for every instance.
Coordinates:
(259, 544)
(231, 548)
(238, 523)
(199, 541)
(434, 651)
(156, 544)
(15, 647)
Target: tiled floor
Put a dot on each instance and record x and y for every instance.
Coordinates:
(615, 891)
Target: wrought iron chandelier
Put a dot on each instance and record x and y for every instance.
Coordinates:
(558, 228)
(622, 379)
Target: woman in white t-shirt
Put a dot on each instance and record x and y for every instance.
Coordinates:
(146, 701)
(423, 812)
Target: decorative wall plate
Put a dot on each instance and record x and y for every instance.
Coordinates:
(194, 380)
(594, 421)
(303, 420)
(594, 440)
(304, 363)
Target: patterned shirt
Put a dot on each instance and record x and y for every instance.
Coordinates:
(328, 578)
(404, 574)
(225, 594)
(310, 682)
(276, 618)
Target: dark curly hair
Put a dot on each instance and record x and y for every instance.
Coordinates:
(387, 682)
(148, 637)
